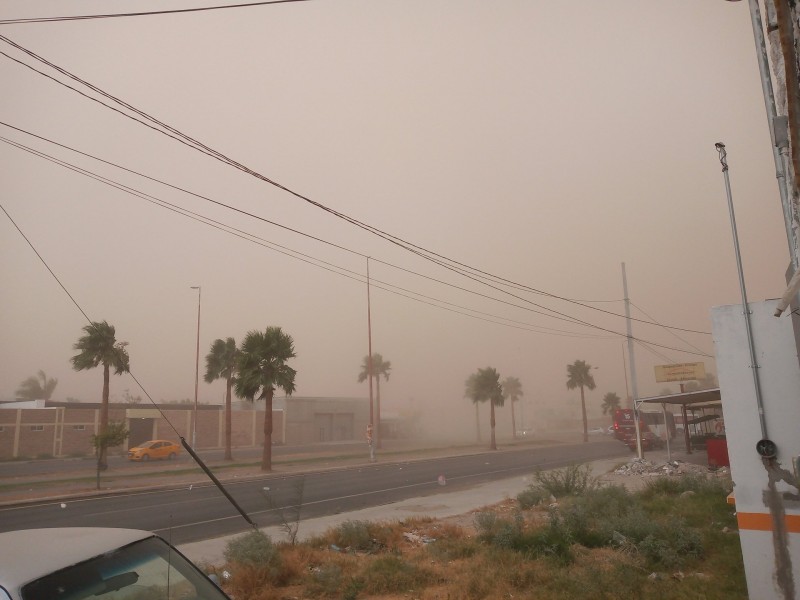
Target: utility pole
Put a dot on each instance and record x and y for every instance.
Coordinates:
(196, 371)
(369, 364)
(633, 364)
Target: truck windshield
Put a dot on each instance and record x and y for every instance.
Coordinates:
(146, 570)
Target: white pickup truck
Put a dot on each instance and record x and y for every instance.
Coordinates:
(77, 563)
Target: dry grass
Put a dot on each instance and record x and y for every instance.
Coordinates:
(451, 559)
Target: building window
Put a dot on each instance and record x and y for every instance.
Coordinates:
(37, 427)
(79, 427)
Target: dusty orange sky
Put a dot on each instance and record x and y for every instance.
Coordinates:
(545, 143)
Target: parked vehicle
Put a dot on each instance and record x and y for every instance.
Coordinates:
(650, 441)
(154, 449)
(624, 425)
(77, 563)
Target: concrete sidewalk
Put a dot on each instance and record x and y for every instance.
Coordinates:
(441, 505)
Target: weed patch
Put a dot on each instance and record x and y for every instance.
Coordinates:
(390, 573)
(604, 543)
(570, 481)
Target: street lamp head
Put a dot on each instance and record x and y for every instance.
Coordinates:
(195, 287)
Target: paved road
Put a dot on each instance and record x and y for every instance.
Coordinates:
(200, 511)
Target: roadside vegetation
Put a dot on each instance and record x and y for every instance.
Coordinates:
(564, 537)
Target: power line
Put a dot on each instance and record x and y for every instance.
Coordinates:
(148, 13)
(189, 449)
(666, 328)
(245, 235)
(335, 269)
(357, 277)
(230, 207)
(78, 306)
(443, 261)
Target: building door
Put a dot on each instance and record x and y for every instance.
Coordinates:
(323, 425)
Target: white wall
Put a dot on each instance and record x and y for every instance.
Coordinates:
(770, 540)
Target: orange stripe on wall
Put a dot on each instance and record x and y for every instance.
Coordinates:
(763, 522)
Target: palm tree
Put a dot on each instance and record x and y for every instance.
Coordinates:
(708, 382)
(469, 392)
(379, 367)
(221, 364)
(261, 368)
(512, 390)
(37, 388)
(611, 402)
(579, 376)
(486, 386)
(99, 346)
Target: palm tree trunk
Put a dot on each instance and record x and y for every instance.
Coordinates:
(228, 455)
(378, 413)
(477, 423)
(266, 455)
(583, 412)
(101, 458)
(513, 421)
(493, 445)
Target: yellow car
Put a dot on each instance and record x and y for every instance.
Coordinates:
(154, 449)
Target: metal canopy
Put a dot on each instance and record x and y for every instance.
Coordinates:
(688, 401)
(708, 398)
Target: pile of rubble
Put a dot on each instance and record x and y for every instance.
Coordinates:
(645, 468)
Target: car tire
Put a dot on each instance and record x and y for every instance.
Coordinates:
(172, 456)
(145, 457)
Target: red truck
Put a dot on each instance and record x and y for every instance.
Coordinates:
(625, 430)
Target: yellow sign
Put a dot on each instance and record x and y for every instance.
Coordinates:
(680, 372)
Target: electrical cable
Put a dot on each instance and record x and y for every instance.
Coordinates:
(278, 225)
(254, 216)
(247, 236)
(78, 306)
(142, 13)
(450, 264)
(233, 231)
(141, 387)
(666, 329)
(335, 269)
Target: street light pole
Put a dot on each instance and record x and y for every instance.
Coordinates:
(196, 369)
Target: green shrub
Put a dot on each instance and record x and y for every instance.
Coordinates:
(689, 482)
(354, 535)
(391, 574)
(486, 524)
(508, 534)
(665, 545)
(532, 496)
(570, 481)
(253, 549)
(553, 540)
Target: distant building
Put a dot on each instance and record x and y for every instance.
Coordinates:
(50, 428)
